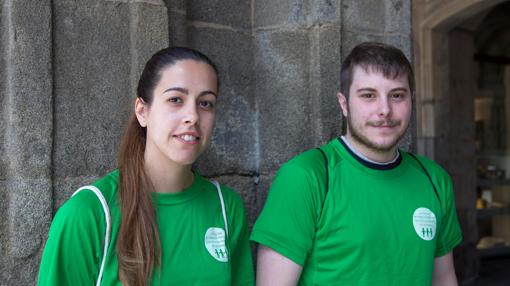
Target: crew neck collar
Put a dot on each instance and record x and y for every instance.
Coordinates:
(367, 162)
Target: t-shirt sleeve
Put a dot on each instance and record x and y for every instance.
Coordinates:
(241, 264)
(73, 251)
(450, 234)
(288, 219)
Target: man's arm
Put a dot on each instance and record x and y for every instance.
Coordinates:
(444, 271)
(275, 269)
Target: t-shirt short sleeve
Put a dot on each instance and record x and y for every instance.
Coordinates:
(450, 234)
(73, 252)
(288, 220)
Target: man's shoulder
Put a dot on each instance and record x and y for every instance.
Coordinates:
(429, 163)
(434, 169)
(313, 159)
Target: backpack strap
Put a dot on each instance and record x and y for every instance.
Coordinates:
(326, 181)
(106, 211)
(223, 211)
(428, 175)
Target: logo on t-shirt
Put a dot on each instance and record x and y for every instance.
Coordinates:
(215, 243)
(424, 221)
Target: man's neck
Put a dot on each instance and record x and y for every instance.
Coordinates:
(369, 155)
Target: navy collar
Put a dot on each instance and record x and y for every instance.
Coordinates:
(369, 164)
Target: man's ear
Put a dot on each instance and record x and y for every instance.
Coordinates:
(141, 111)
(342, 100)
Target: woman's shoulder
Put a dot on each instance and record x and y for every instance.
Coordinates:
(232, 197)
(85, 205)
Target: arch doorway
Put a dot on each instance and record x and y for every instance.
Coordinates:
(453, 42)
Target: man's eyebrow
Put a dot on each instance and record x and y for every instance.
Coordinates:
(366, 89)
(179, 89)
(402, 89)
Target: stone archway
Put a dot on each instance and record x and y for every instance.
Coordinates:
(440, 53)
(432, 20)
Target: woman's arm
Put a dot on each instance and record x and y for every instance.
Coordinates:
(73, 251)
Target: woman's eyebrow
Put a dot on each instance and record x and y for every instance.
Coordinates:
(206, 92)
(179, 89)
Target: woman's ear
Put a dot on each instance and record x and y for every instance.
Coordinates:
(141, 111)
(342, 100)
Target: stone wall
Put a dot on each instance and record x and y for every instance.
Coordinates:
(69, 69)
(67, 83)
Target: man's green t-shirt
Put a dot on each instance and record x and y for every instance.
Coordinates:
(191, 228)
(374, 225)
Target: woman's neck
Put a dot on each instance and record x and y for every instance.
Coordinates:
(168, 177)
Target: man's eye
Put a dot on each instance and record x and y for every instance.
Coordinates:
(368, 95)
(398, 96)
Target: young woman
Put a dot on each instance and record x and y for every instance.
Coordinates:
(169, 225)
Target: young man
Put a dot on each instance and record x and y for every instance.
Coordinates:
(359, 211)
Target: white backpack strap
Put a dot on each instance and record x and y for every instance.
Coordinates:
(106, 210)
(224, 212)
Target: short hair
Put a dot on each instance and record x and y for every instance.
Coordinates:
(379, 57)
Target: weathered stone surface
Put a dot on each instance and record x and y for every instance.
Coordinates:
(392, 16)
(325, 83)
(95, 84)
(176, 5)
(233, 146)
(283, 95)
(92, 84)
(148, 33)
(221, 12)
(246, 187)
(295, 12)
(28, 92)
(177, 26)
(63, 188)
(26, 88)
(4, 234)
(351, 39)
(4, 99)
(25, 227)
(19, 271)
(263, 187)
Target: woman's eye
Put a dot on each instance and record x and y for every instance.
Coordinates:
(175, 100)
(206, 104)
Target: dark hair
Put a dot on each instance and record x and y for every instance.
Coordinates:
(138, 244)
(387, 59)
(159, 61)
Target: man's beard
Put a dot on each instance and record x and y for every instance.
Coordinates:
(364, 140)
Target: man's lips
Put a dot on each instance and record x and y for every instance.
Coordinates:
(380, 124)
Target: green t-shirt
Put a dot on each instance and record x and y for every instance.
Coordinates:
(191, 229)
(375, 225)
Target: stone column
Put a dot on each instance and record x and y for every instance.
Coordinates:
(383, 21)
(99, 51)
(26, 137)
(68, 74)
(297, 59)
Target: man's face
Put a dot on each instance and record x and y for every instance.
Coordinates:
(378, 112)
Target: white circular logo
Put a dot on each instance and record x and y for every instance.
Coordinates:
(215, 243)
(424, 222)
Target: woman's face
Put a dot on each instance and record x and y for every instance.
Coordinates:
(180, 119)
